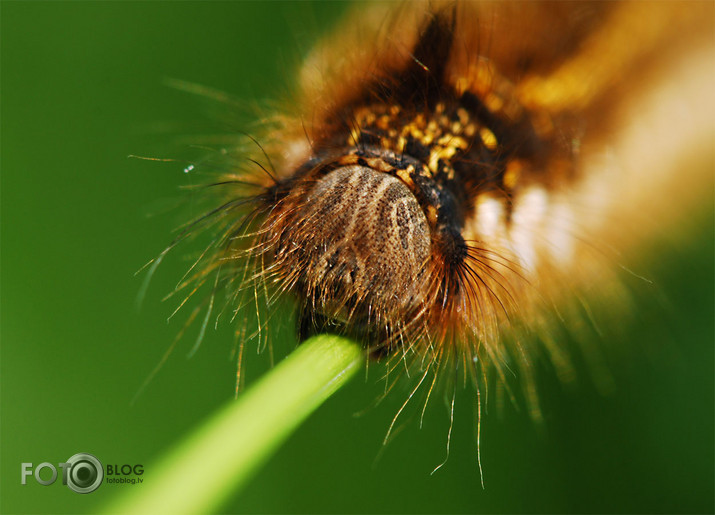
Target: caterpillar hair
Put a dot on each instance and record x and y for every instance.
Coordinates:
(453, 183)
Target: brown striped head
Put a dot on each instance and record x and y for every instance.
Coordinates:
(357, 245)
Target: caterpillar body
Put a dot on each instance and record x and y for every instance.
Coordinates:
(452, 178)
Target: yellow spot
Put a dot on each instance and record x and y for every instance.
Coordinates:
(444, 140)
(445, 153)
(379, 165)
(488, 137)
(512, 174)
(384, 122)
(424, 171)
(461, 85)
(494, 103)
(404, 175)
(463, 116)
(433, 161)
(415, 132)
(432, 215)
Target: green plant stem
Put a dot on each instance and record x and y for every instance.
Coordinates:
(219, 457)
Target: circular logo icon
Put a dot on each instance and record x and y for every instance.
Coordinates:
(85, 473)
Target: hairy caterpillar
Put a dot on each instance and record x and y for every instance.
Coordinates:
(452, 178)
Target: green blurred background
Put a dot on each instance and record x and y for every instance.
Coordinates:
(84, 86)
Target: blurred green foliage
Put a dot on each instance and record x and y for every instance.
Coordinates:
(83, 87)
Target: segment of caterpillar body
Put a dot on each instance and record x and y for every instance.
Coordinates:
(451, 176)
